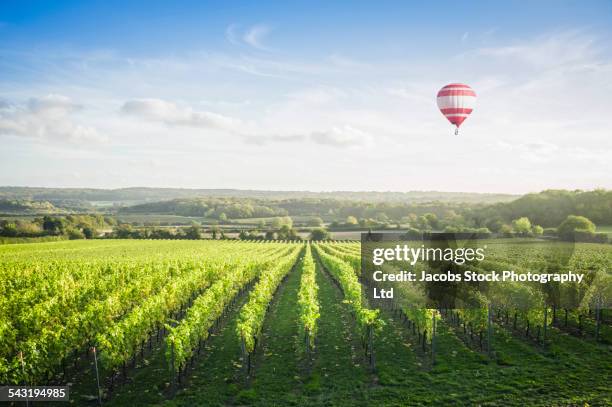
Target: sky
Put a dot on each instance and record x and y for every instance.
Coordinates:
(309, 95)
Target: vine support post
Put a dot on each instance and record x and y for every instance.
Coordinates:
(246, 360)
(433, 339)
(490, 331)
(371, 347)
(93, 349)
(172, 367)
(545, 323)
(597, 319)
(24, 376)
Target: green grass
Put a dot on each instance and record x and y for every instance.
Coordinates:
(605, 229)
(42, 239)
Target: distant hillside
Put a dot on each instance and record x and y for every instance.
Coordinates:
(139, 195)
(549, 208)
(18, 206)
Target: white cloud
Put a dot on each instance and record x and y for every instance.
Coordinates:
(550, 50)
(252, 36)
(48, 118)
(255, 35)
(262, 139)
(231, 34)
(173, 115)
(342, 136)
(337, 136)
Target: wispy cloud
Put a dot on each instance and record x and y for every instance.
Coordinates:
(232, 35)
(337, 136)
(264, 139)
(555, 49)
(252, 36)
(255, 36)
(48, 118)
(174, 115)
(341, 136)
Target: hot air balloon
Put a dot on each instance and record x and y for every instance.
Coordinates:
(456, 102)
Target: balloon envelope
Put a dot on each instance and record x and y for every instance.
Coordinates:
(456, 102)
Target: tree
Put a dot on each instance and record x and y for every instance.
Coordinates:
(74, 234)
(270, 235)
(319, 234)
(214, 229)
(53, 226)
(123, 231)
(222, 217)
(537, 230)
(316, 221)
(89, 232)
(287, 221)
(287, 233)
(506, 230)
(382, 217)
(422, 223)
(351, 220)
(8, 228)
(494, 224)
(568, 228)
(521, 225)
(279, 222)
(193, 232)
(432, 220)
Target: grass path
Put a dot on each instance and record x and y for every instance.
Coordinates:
(276, 379)
(339, 376)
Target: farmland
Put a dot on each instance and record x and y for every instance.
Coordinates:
(275, 323)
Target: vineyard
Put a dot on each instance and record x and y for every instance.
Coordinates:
(280, 323)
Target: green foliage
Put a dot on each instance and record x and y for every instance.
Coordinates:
(549, 208)
(319, 234)
(315, 221)
(184, 338)
(307, 299)
(568, 228)
(521, 226)
(279, 222)
(351, 220)
(346, 276)
(252, 314)
(74, 234)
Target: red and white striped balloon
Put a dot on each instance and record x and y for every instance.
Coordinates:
(456, 102)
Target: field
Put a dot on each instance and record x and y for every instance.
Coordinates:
(605, 229)
(274, 323)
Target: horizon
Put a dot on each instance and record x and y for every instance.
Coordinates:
(305, 190)
(306, 96)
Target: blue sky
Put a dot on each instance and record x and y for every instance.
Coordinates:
(213, 94)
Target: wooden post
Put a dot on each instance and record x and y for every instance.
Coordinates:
(545, 322)
(172, 367)
(24, 376)
(433, 340)
(97, 376)
(371, 346)
(490, 331)
(597, 319)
